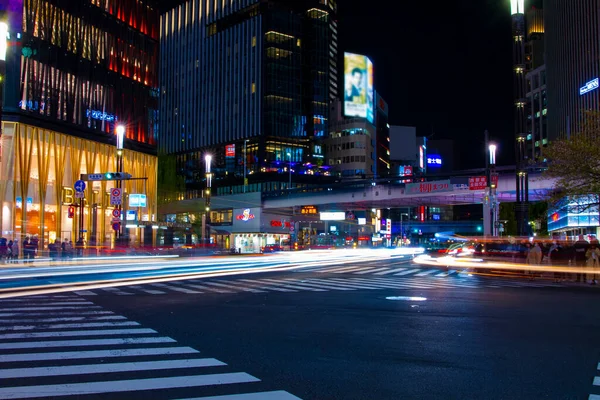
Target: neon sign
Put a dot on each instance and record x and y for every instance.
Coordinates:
(100, 115)
(245, 216)
(589, 86)
(434, 160)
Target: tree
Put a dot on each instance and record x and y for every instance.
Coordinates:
(170, 184)
(574, 164)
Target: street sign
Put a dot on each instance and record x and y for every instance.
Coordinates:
(79, 186)
(291, 229)
(79, 195)
(116, 226)
(480, 182)
(116, 196)
(95, 177)
(116, 219)
(116, 213)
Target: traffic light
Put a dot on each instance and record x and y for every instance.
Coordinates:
(71, 212)
(116, 176)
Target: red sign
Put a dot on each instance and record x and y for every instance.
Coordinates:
(245, 216)
(480, 182)
(71, 212)
(280, 224)
(230, 150)
(428, 187)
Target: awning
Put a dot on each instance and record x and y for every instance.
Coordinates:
(222, 232)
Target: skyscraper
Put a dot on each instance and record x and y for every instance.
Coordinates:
(250, 83)
(572, 36)
(76, 69)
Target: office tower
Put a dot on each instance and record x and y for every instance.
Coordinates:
(248, 82)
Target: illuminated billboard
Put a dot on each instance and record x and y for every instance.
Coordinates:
(358, 84)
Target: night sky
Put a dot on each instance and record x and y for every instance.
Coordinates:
(442, 66)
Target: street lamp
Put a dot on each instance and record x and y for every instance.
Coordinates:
(290, 168)
(492, 148)
(205, 215)
(120, 131)
(491, 184)
(401, 228)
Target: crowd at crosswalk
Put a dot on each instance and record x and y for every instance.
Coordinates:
(57, 346)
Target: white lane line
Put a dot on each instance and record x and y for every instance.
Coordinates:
(207, 288)
(85, 342)
(270, 286)
(353, 269)
(108, 368)
(324, 286)
(62, 313)
(390, 271)
(354, 283)
(63, 319)
(53, 303)
(596, 381)
(82, 325)
(176, 288)
(31, 335)
(83, 388)
(85, 293)
(436, 283)
(431, 271)
(371, 270)
(293, 285)
(339, 284)
(594, 397)
(46, 308)
(149, 291)
(381, 284)
(233, 287)
(277, 395)
(446, 273)
(116, 291)
(410, 271)
(337, 269)
(77, 355)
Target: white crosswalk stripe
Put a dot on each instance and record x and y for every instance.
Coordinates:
(80, 357)
(390, 271)
(370, 270)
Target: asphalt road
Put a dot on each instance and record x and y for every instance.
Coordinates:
(320, 335)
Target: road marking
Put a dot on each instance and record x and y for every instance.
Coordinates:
(278, 395)
(86, 342)
(594, 397)
(76, 355)
(115, 291)
(352, 283)
(84, 325)
(294, 285)
(370, 270)
(54, 303)
(596, 381)
(410, 271)
(62, 313)
(31, 335)
(210, 289)
(176, 288)
(446, 273)
(63, 319)
(233, 287)
(107, 368)
(270, 286)
(390, 271)
(338, 284)
(353, 269)
(334, 269)
(83, 388)
(431, 271)
(324, 283)
(85, 293)
(149, 291)
(47, 308)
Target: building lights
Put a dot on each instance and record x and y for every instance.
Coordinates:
(517, 7)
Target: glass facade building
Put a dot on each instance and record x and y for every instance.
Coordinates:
(74, 70)
(248, 82)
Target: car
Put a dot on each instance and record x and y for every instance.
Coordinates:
(272, 248)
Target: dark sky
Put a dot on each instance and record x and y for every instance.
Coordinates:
(442, 66)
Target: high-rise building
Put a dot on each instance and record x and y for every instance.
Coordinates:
(74, 70)
(572, 37)
(249, 82)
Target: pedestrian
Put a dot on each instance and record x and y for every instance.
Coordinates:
(593, 259)
(26, 250)
(9, 254)
(555, 258)
(70, 249)
(580, 248)
(534, 257)
(53, 251)
(15, 252)
(34, 247)
(64, 251)
(3, 250)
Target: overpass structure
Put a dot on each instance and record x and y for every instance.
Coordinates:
(366, 195)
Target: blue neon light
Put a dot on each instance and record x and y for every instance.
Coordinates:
(102, 116)
(589, 86)
(434, 160)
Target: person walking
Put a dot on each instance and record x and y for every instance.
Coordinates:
(593, 259)
(580, 249)
(26, 250)
(15, 252)
(555, 256)
(534, 257)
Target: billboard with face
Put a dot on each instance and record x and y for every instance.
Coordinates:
(358, 86)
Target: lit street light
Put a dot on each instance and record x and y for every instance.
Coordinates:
(207, 194)
(120, 131)
(290, 168)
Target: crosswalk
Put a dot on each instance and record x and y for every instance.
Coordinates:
(64, 346)
(381, 268)
(423, 279)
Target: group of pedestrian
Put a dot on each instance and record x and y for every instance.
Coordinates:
(562, 253)
(61, 250)
(9, 251)
(30, 249)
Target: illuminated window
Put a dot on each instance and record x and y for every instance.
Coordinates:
(253, 41)
(298, 42)
(253, 87)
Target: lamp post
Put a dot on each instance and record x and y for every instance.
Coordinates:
(120, 131)
(401, 228)
(491, 184)
(207, 194)
(290, 168)
(3, 48)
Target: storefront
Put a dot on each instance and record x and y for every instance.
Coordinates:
(252, 230)
(38, 169)
(572, 217)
